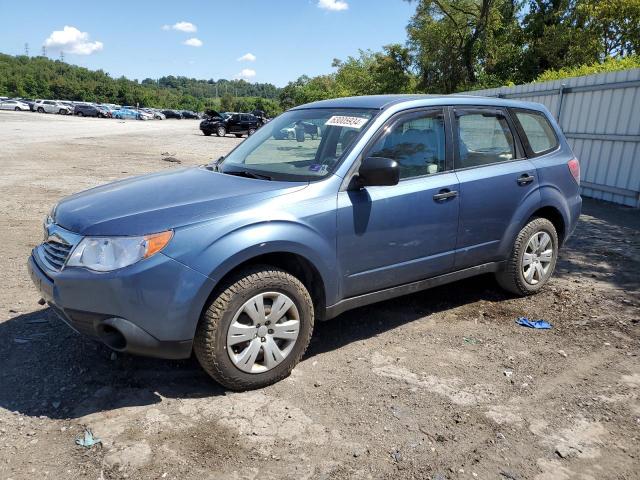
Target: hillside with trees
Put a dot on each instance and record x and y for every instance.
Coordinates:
(41, 77)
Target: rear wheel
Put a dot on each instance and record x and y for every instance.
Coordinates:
(206, 133)
(17, 109)
(221, 131)
(80, 114)
(40, 110)
(533, 258)
(256, 329)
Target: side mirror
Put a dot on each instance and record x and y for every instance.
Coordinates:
(378, 172)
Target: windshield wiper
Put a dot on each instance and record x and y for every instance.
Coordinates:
(248, 174)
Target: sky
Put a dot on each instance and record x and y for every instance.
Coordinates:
(272, 41)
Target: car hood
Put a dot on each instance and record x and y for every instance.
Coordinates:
(162, 201)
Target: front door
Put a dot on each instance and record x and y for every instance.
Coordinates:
(495, 181)
(392, 235)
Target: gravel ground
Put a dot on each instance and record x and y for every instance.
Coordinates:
(437, 385)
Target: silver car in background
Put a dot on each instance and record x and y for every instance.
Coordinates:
(16, 105)
(51, 106)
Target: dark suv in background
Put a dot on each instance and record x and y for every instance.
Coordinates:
(90, 111)
(237, 123)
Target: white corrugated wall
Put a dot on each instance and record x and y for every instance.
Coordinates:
(600, 116)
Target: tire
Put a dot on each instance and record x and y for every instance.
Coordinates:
(221, 131)
(40, 110)
(238, 135)
(17, 109)
(62, 112)
(516, 278)
(251, 131)
(80, 114)
(206, 133)
(268, 284)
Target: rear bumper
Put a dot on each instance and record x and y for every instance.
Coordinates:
(151, 308)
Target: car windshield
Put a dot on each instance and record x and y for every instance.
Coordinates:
(299, 145)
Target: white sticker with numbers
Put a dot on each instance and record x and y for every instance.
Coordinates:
(345, 121)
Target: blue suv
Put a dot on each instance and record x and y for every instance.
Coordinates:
(384, 196)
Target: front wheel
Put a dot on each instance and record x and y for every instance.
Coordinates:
(62, 112)
(533, 258)
(256, 329)
(251, 131)
(206, 133)
(238, 135)
(221, 131)
(40, 110)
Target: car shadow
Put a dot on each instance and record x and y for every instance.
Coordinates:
(46, 369)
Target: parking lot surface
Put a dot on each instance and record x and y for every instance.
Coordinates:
(437, 385)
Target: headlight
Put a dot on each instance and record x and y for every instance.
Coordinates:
(104, 254)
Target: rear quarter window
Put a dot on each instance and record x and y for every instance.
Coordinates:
(538, 132)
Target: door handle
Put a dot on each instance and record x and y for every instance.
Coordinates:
(525, 179)
(444, 195)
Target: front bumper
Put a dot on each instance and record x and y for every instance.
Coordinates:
(150, 308)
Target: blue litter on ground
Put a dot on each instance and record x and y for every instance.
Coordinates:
(539, 324)
(89, 440)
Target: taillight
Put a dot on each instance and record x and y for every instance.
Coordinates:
(574, 168)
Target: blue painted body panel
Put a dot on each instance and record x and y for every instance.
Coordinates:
(359, 241)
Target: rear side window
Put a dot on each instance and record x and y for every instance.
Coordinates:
(483, 139)
(537, 130)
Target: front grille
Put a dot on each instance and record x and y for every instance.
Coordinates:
(55, 253)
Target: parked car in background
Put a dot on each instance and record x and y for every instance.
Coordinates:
(16, 105)
(85, 110)
(125, 113)
(229, 261)
(189, 114)
(51, 106)
(143, 115)
(156, 114)
(172, 114)
(28, 101)
(238, 124)
(70, 105)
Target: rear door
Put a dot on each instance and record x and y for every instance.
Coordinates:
(495, 181)
(392, 235)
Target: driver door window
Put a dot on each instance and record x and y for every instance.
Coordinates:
(416, 142)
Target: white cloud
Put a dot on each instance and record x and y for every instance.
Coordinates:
(72, 40)
(334, 5)
(181, 27)
(247, 57)
(246, 74)
(193, 42)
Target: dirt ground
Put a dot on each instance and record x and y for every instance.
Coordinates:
(438, 385)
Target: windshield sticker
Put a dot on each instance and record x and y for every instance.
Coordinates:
(316, 167)
(344, 121)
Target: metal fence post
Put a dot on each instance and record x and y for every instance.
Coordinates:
(561, 94)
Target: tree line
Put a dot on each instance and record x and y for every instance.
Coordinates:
(41, 77)
(451, 46)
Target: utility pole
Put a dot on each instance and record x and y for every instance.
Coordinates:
(26, 49)
(61, 56)
(44, 51)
